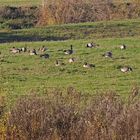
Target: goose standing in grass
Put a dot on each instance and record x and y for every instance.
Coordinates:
(123, 47)
(126, 69)
(107, 54)
(70, 51)
(15, 50)
(33, 52)
(71, 60)
(57, 63)
(46, 56)
(91, 45)
(86, 65)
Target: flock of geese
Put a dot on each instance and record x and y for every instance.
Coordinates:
(70, 51)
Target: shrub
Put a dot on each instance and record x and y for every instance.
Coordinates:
(18, 17)
(70, 11)
(52, 117)
(71, 116)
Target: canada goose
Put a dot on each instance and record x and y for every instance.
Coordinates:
(23, 49)
(46, 56)
(58, 63)
(126, 69)
(70, 51)
(91, 45)
(107, 54)
(43, 49)
(123, 47)
(71, 60)
(33, 52)
(86, 65)
(15, 50)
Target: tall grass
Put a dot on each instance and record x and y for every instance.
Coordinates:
(74, 11)
(71, 116)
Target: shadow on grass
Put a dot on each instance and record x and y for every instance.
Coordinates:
(11, 37)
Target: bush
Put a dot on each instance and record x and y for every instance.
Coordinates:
(69, 11)
(55, 116)
(72, 116)
(18, 17)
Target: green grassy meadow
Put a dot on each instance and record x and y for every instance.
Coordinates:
(97, 30)
(22, 74)
(36, 2)
(20, 2)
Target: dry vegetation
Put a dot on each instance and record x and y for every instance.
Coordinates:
(63, 11)
(72, 116)
(67, 11)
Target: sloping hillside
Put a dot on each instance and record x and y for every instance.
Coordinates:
(97, 30)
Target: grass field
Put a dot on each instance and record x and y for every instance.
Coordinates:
(37, 2)
(20, 2)
(22, 74)
(97, 30)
